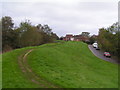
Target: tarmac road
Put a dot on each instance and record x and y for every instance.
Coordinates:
(99, 54)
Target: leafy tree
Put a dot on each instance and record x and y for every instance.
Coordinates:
(47, 29)
(29, 35)
(54, 36)
(92, 39)
(108, 40)
(8, 34)
(25, 35)
(85, 34)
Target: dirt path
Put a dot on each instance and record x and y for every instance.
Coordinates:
(29, 74)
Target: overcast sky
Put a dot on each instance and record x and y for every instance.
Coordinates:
(64, 16)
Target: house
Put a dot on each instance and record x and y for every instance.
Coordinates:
(70, 37)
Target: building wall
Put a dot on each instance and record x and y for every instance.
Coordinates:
(75, 38)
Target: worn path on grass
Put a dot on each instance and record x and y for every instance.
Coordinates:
(31, 75)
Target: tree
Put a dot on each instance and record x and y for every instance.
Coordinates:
(8, 35)
(47, 29)
(24, 35)
(92, 39)
(85, 34)
(108, 40)
(54, 36)
(29, 35)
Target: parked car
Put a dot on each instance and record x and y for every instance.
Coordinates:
(107, 54)
(97, 48)
(95, 45)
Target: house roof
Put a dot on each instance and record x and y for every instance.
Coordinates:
(69, 35)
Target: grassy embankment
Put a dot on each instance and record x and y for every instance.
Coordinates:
(68, 65)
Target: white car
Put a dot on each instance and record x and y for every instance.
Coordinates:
(95, 45)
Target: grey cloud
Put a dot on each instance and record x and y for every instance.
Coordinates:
(65, 17)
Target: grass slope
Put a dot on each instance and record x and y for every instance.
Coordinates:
(68, 65)
(72, 65)
(12, 76)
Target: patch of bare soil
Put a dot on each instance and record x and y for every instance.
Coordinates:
(32, 76)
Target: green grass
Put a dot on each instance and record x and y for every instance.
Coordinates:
(72, 65)
(66, 64)
(12, 76)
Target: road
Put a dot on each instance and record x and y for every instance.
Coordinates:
(99, 54)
